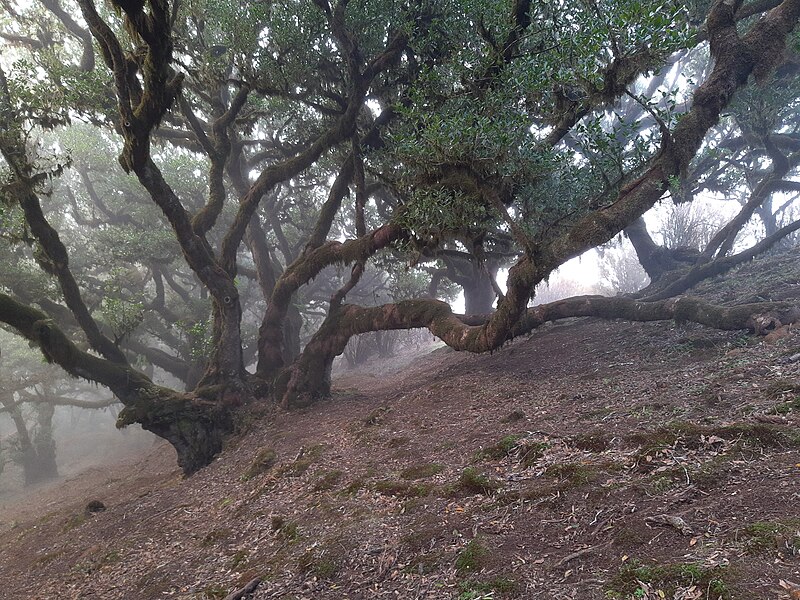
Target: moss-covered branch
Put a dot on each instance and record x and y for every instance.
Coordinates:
(339, 131)
(193, 424)
(736, 59)
(756, 53)
(23, 182)
(704, 271)
(308, 378)
(307, 266)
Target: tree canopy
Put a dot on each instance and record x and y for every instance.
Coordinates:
(230, 191)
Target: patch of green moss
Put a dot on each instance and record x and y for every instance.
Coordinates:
(761, 435)
(663, 483)
(284, 530)
(499, 450)
(303, 462)
(666, 437)
(96, 562)
(323, 561)
(668, 579)
(73, 522)
(401, 489)
(594, 441)
(765, 536)
(421, 471)
(705, 477)
(472, 481)
(354, 486)
(531, 452)
(573, 473)
(328, 480)
(263, 462)
(786, 407)
(214, 592)
(238, 559)
(782, 387)
(474, 589)
(711, 473)
(470, 559)
(691, 435)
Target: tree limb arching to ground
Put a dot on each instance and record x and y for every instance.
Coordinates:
(379, 139)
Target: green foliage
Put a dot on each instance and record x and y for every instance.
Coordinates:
(16, 268)
(451, 121)
(129, 245)
(198, 335)
(123, 316)
(434, 216)
(121, 312)
(771, 536)
(35, 97)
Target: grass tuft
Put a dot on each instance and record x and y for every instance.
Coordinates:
(421, 471)
(470, 559)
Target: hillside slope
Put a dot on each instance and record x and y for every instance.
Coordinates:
(592, 460)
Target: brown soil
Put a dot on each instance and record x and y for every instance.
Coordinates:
(555, 468)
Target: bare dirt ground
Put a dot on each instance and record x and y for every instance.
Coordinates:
(594, 459)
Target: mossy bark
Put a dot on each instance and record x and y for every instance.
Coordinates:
(195, 426)
(271, 335)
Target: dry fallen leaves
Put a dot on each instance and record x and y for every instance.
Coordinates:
(792, 589)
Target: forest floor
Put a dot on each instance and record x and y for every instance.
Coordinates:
(591, 460)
